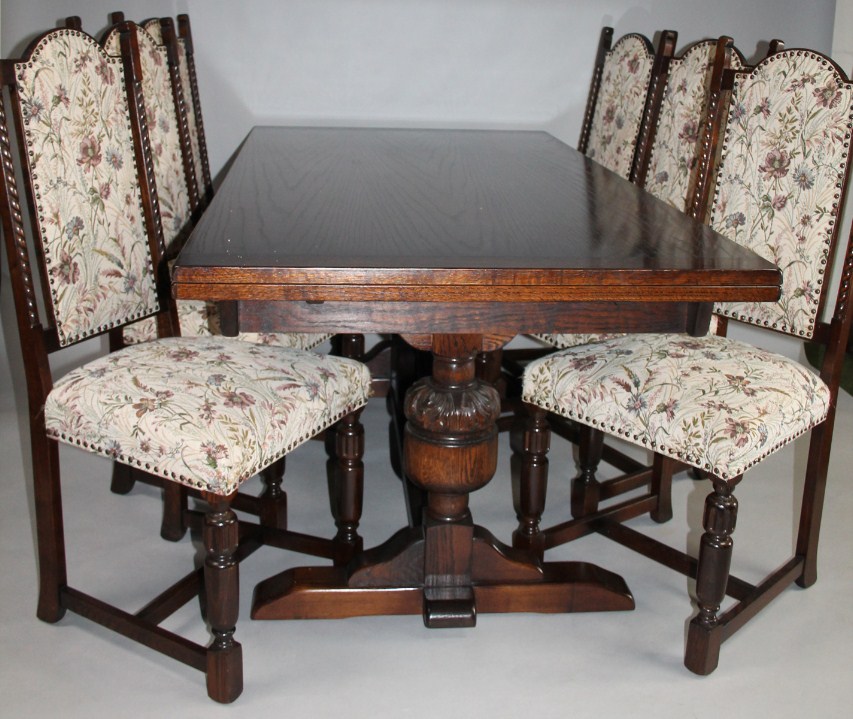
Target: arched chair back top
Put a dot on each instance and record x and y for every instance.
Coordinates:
(626, 79)
(781, 176)
(154, 28)
(95, 224)
(670, 169)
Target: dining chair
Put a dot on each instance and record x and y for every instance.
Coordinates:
(715, 403)
(670, 157)
(199, 176)
(627, 90)
(177, 199)
(179, 195)
(86, 254)
(671, 169)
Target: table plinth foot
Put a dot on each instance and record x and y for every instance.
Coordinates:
(454, 612)
(389, 579)
(565, 587)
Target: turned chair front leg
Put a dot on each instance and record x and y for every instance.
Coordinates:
(347, 492)
(715, 555)
(222, 593)
(585, 487)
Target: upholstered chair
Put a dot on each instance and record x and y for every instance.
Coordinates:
(86, 255)
(626, 78)
(714, 403)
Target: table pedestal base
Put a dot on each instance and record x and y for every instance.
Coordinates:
(389, 579)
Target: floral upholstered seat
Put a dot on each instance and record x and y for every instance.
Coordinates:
(776, 191)
(712, 402)
(205, 412)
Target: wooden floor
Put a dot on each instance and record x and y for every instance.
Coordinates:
(792, 661)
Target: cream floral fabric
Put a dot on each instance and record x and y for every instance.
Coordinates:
(712, 402)
(195, 318)
(784, 156)
(674, 153)
(615, 128)
(294, 340)
(172, 194)
(89, 210)
(162, 123)
(153, 28)
(201, 319)
(206, 412)
(621, 101)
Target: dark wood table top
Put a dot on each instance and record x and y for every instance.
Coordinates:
(448, 216)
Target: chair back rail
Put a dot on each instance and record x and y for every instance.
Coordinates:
(605, 42)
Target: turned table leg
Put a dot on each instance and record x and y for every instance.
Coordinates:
(450, 450)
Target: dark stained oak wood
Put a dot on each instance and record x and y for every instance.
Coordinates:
(457, 240)
(428, 215)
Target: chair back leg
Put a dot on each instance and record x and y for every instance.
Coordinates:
(50, 530)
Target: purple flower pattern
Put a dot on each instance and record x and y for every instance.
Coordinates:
(209, 412)
(616, 123)
(675, 148)
(713, 402)
(75, 115)
(783, 160)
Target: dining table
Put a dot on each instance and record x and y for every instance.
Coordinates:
(457, 241)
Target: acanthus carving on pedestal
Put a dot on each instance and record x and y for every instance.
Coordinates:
(453, 411)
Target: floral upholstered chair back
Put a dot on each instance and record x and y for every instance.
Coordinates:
(82, 165)
(778, 184)
(675, 148)
(174, 199)
(618, 114)
(163, 130)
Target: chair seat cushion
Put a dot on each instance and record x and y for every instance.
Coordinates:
(207, 412)
(712, 402)
(201, 319)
